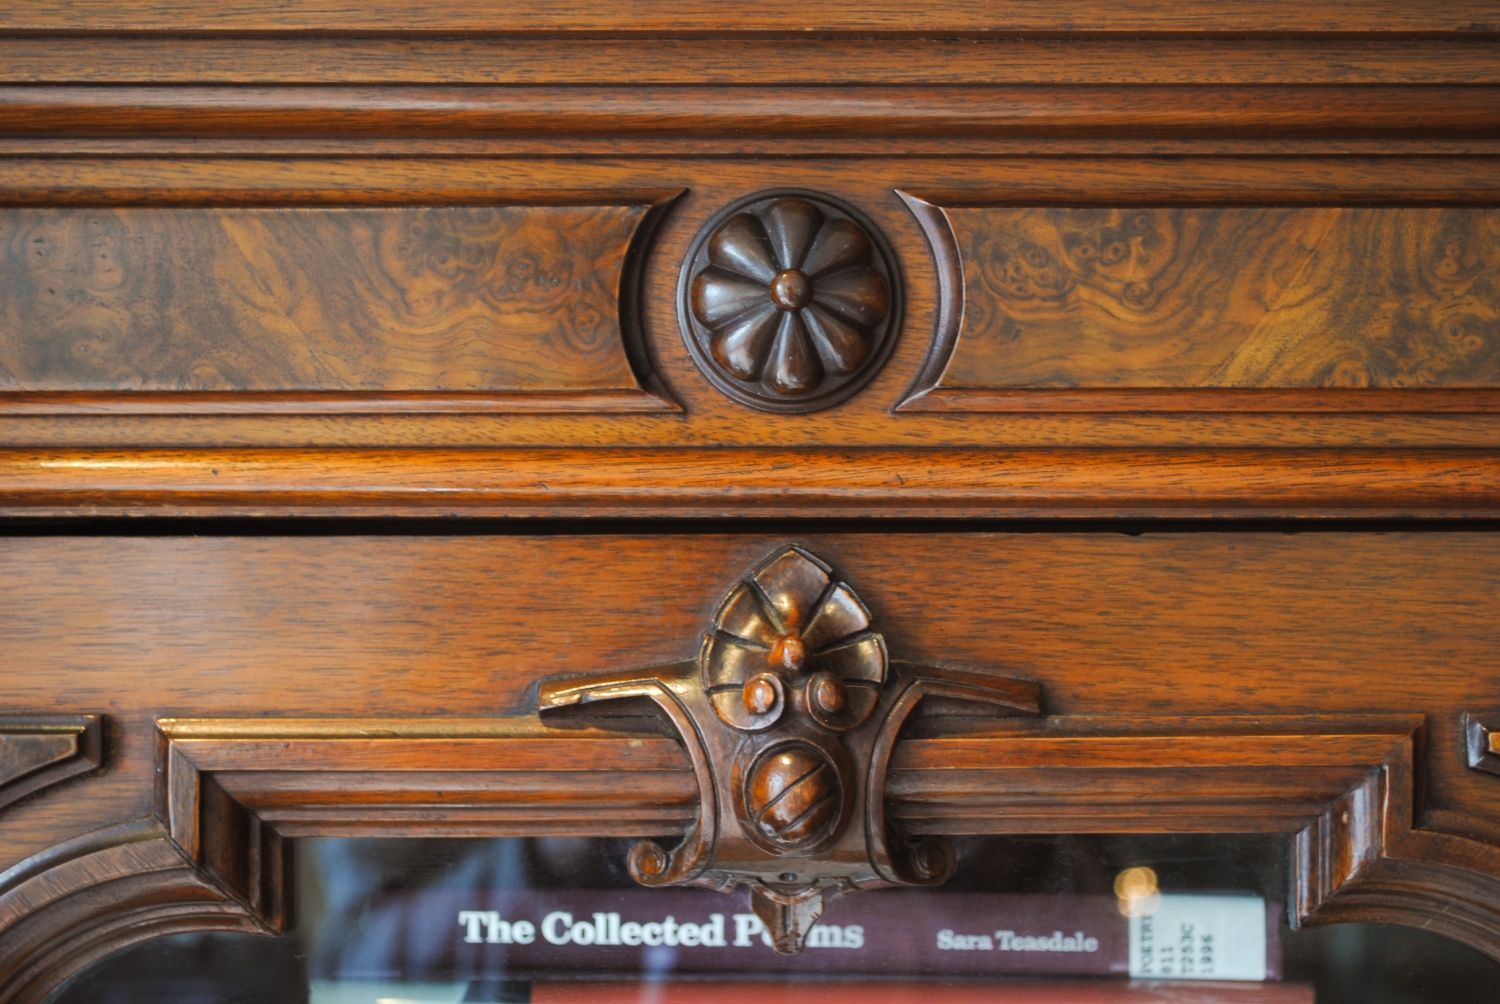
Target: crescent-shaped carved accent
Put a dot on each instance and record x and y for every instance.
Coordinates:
(948, 317)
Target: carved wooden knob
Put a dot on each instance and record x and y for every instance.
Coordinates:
(789, 653)
(827, 693)
(789, 301)
(761, 692)
(793, 794)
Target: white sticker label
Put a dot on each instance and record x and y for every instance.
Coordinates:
(1201, 938)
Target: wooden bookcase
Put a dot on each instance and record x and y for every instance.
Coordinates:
(366, 368)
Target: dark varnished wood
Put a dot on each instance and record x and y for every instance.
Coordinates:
(37, 751)
(1313, 685)
(790, 301)
(1342, 786)
(1444, 419)
(730, 116)
(817, 482)
(800, 60)
(288, 310)
(1121, 631)
(791, 798)
(1118, 302)
(963, 17)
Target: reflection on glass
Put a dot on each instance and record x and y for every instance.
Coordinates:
(1034, 920)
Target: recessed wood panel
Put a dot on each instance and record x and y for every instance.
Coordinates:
(503, 306)
(1226, 299)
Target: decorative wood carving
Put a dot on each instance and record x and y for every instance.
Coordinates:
(791, 782)
(1187, 308)
(789, 300)
(233, 790)
(41, 750)
(1482, 742)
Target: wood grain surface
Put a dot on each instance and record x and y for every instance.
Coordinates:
(1333, 628)
(731, 114)
(1227, 298)
(782, 16)
(709, 418)
(728, 483)
(141, 628)
(37, 751)
(801, 60)
(477, 299)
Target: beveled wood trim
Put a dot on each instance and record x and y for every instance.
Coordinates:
(728, 482)
(1266, 112)
(1252, 177)
(302, 59)
(492, 777)
(509, 402)
(1236, 400)
(699, 16)
(38, 751)
(233, 790)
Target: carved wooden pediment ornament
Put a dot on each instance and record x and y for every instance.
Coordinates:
(789, 716)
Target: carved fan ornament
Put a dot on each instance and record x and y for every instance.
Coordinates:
(789, 301)
(789, 716)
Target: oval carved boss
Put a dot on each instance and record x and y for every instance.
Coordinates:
(789, 301)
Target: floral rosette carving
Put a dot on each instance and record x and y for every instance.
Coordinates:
(790, 301)
(790, 638)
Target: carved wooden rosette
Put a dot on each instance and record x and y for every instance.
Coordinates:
(789, 716)
(788, 301)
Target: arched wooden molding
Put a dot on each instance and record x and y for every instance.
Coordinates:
(73, 904)
(234, 789)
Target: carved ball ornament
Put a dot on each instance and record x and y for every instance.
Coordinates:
(789, 301)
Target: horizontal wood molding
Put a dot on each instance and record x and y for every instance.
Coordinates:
(1265, 112)
(232, 791)
(797, 60)
(492, 777)
(762, 482)
(777, 17)
(38, 751)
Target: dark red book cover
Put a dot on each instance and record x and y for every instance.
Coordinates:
(446, 935)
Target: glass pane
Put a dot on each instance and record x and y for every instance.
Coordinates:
(1033, 920)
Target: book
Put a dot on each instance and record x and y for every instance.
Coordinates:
(804, 990)
(451, 935)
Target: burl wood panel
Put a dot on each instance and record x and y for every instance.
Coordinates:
(441, 299)
(1227, 297)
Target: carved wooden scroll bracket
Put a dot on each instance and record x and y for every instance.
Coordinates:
(789, 716)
